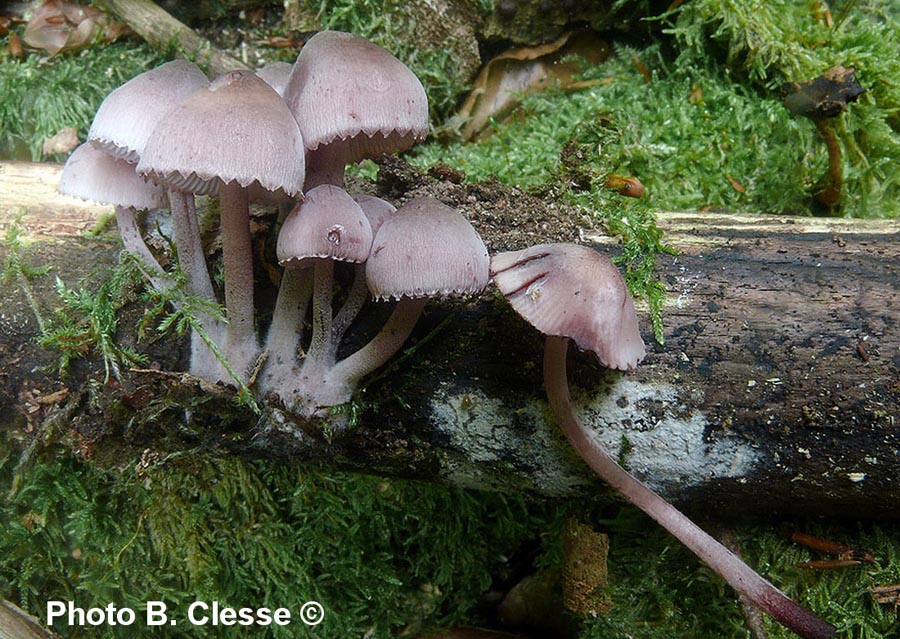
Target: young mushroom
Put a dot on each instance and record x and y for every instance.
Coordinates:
(327, 226)
(425, 249)
(572, 292)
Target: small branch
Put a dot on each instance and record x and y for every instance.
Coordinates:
(161, 31)
(15, 623)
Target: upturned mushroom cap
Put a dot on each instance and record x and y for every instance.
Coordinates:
(350, 93)
(128, 115)
(573, 291)
(327, 223)
(237, 129)
(426, 249)
(92, 174)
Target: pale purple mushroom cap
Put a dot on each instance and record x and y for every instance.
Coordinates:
(326, 223)
(352, 95)
(573, 291)
(92, 174)
(128, 115)
(238, 129)
(376, 209)
(276, 74)
(426, 249)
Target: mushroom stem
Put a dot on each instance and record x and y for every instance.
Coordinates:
(237, 253)
(286, 331)
(738, 574)
(830, 196)
(383, 346)
(134, 244)
(320, 350)
(324, 165)
(356, 298)
(188, 245)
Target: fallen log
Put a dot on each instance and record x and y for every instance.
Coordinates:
(776, 391)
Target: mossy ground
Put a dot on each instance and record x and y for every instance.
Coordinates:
(706, 130)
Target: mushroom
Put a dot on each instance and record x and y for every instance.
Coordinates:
(572, 292)
(92, 174)
(224, 138)
(821, 100)
(353, 100)
(327, 226)
(425, 249)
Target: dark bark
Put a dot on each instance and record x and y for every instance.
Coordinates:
(776, 392)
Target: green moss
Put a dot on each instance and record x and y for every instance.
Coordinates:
(766, 44)
(378, 554)
(39, 96)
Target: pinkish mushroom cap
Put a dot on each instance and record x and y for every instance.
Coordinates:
(376, 209)
(327, 223)
(573, 291)
(426, 249)
(128, 115)
(276, 74)
(92, 174)
(237, 129)
(355, 97)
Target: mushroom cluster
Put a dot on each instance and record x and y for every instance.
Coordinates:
(170, 134)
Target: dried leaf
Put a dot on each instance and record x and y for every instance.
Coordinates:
(14, 47)
(65, 26)
(498, 86)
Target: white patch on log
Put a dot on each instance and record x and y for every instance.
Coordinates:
(494, 445)
(669, 448)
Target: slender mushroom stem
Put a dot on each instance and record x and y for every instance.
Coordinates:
(383, 346)
(237, 254)
(738, 574)
(320, 349)
(324, 165)
(356, 298)
(188, 245)
(134, 244)
(286, 331)
(830, 196)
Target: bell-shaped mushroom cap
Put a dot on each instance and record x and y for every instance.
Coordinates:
(276, 74)
(573, 291)
(350, 93)
(128, 115)
(91, 174)
(327, 223)
(376, 209)
(236, 129)
(426, 249)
